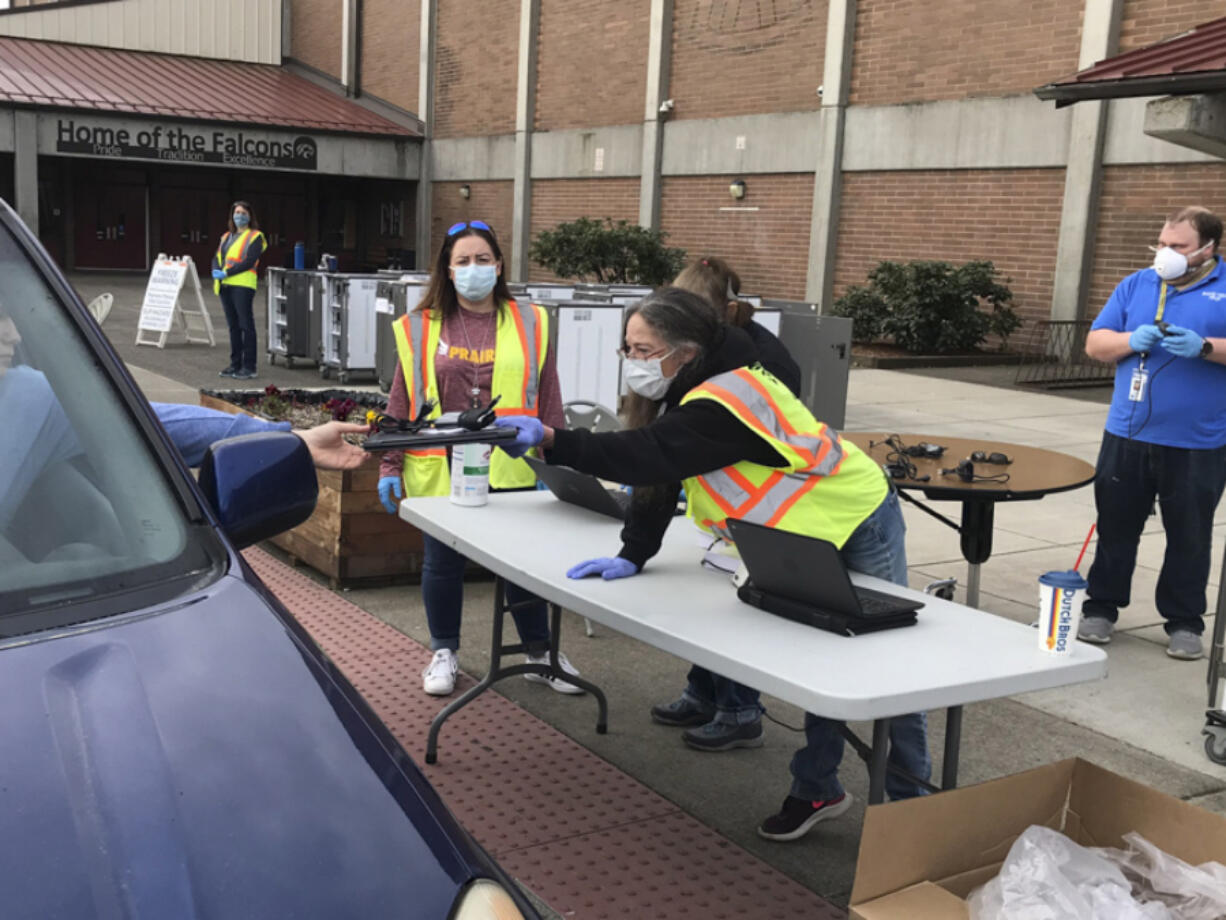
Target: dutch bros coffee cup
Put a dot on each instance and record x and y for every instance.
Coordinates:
(470, 474)
(1060, 598)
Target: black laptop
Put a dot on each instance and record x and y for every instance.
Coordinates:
(581, 489)
(804, 579)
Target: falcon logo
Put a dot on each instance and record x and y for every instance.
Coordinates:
(305, 152)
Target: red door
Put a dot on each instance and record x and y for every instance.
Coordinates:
(111, 226)
(192, 221)
(283, 220)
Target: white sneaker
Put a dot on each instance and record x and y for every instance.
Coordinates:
(556, 682)
(438, 679)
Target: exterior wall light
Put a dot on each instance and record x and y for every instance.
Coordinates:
(736, 189)
(466, 191)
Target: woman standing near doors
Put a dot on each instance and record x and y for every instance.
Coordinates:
(234, 280)
(467, 342)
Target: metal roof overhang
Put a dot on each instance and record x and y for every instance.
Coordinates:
(1183, 84)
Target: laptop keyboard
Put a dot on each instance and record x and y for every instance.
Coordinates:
(871, 605)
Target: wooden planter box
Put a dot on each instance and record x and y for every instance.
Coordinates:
(350, 538)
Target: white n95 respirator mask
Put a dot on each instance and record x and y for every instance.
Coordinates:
(1169, 264)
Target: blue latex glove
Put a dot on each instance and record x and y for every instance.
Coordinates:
(606, 567)
(1144, 338)
(1182, 342)
(388, 485)
(528, 433)
(218, 274)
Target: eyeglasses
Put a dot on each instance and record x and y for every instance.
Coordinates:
(980, 456)
(626, 351)
(475, 224)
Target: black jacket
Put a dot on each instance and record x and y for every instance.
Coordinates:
(775, 356)
(699, 437)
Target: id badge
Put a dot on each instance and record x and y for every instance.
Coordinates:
(1136, 389)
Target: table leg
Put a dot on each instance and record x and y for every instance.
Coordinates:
(877, 765)
(497, 672)
(978, 518)
(953, 741)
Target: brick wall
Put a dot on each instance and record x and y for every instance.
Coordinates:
(914, 52)
(768, 248)
(490, 201)
(315, 34)
(1135, 201)
(591, 63)
(475, 68)
(1147, 21)
(1009, 216)
(391, 45)
(739, 59)
(555, 201)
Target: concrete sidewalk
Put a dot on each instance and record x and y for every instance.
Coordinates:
(1143, 721)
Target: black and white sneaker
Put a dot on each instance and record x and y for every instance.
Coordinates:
(798, 816)
(227, 372)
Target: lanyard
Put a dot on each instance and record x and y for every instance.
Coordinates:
(1161, 304)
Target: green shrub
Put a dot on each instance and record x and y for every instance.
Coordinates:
(608, 252)
(930, 307)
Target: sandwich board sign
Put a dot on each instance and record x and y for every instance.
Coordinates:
(167, 306)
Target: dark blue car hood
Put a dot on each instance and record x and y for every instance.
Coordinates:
(198, 762)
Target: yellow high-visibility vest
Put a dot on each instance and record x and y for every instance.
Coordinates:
(827, 488)
(520, 346)
(230, 252)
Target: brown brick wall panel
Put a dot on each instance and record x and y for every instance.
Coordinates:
(391, 46)
(475, 68)
(742, 59)
(918, 52)
(768, 248)
(315, 34)
(491, 202)
(1011, 217)
(591, 63)
(1147, 21)
(556, 201)
(1135, 200)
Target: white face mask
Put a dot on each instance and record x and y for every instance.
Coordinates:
(1170, 264)
(646, 376)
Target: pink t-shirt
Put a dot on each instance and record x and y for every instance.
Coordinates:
(466, 359)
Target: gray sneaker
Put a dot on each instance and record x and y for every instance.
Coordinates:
(1184, 645)
(1096, 629)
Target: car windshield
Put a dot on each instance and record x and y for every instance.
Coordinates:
(88, 514)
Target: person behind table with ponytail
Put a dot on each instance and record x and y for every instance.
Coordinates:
(235, 278)
(708, 416)
(466, 342)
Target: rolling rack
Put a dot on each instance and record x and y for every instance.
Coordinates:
(1215, 717)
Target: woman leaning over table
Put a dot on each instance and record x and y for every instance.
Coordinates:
(467, 342)
(709, 417)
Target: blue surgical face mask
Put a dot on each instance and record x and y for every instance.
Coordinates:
(474, 282)
(241, 220)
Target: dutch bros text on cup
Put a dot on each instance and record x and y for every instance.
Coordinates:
(470, 474)
(1060, 598)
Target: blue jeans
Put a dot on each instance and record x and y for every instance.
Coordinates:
(442, 591)
(1187, 485)
(237, 301)
(878, 548)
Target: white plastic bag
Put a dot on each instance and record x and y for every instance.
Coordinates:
(1047, 876)
(1189, 892)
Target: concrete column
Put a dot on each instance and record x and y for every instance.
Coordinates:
(525, 119)
(1100, 36)
(828, 173)
(659, 53)
(349, 46)
(287, 49)
(25, 167)
(425, 111)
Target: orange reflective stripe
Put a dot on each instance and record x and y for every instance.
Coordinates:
(243, 242)
(716, 497)
(429, 452)
(753, 421)
(736, 476)
(756, 383)
(427, 363)
(755, 495)
(510, 410)
(523, 341)
(791, 500)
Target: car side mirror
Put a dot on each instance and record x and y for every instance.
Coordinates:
(259, 484)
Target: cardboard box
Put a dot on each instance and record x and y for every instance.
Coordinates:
(920, 858)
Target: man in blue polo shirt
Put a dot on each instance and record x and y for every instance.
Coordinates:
(1165, 329)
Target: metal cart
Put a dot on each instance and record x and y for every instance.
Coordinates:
(290, 317)
(394, 298)
(347, 325)
(1215, 718)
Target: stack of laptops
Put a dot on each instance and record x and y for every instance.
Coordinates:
(804, 579)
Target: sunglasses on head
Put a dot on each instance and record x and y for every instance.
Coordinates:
(475, 224)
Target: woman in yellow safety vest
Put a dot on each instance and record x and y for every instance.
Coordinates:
(235, 268)
(466, 342)
(709, 417)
